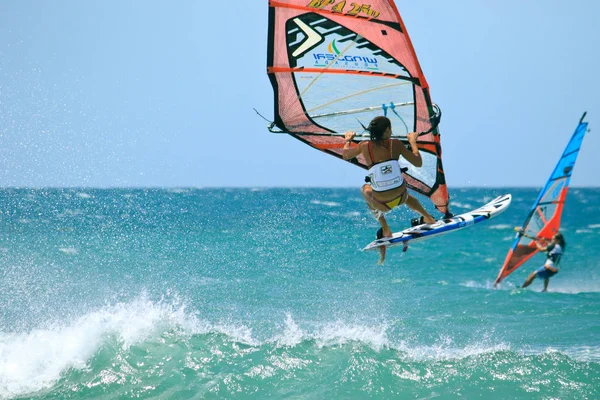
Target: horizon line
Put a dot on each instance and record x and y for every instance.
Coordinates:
(264, 187)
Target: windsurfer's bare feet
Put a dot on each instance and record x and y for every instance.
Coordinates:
(429, 220)
(387, 233)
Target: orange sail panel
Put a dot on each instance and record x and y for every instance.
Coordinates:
(543, 220)
(335, 65)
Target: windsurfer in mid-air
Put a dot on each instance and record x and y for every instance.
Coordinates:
(555, 251)
(386, 188)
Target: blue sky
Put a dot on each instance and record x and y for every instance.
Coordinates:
(144, 93)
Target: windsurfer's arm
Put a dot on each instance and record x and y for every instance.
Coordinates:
(540, 243)
(413, 155)
(350, 151)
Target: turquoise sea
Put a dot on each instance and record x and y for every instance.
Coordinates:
(264, 293)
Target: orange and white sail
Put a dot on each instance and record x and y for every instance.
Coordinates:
(335, 65)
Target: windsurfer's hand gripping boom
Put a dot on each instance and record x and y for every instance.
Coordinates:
(539, 242)
(521, 232)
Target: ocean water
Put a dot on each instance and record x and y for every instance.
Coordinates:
(264, 293)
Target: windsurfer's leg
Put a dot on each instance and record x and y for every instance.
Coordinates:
(382, 251)
(387, 232)
(546, 282)
(373, 204)
(414, 204)
(529, 279)
(377, 209)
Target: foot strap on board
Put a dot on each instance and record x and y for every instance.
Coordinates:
(417, 221)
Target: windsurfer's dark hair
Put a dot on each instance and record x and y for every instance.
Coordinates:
(561, 240)
(378, 126)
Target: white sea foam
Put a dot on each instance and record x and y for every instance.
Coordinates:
(584, 353)
(292, 334)
(489, 285)
(461, 205)
(478, 285)
(594, 226)
(68, 250)
(340, 333)
(573, 287)
(332, 334)
(35, 360)
(437, 318)
(326, 203)
(350, 215)
(84, 195)
(178, 190)
(560, 286)
(376, 337)
(445, 349)
(68, 212)
(500, 226)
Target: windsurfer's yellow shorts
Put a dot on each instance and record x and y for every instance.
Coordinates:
(401, 199)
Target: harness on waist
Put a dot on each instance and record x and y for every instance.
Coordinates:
(554, 255)
(384, 175)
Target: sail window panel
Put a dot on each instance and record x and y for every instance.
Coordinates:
(339, 102)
